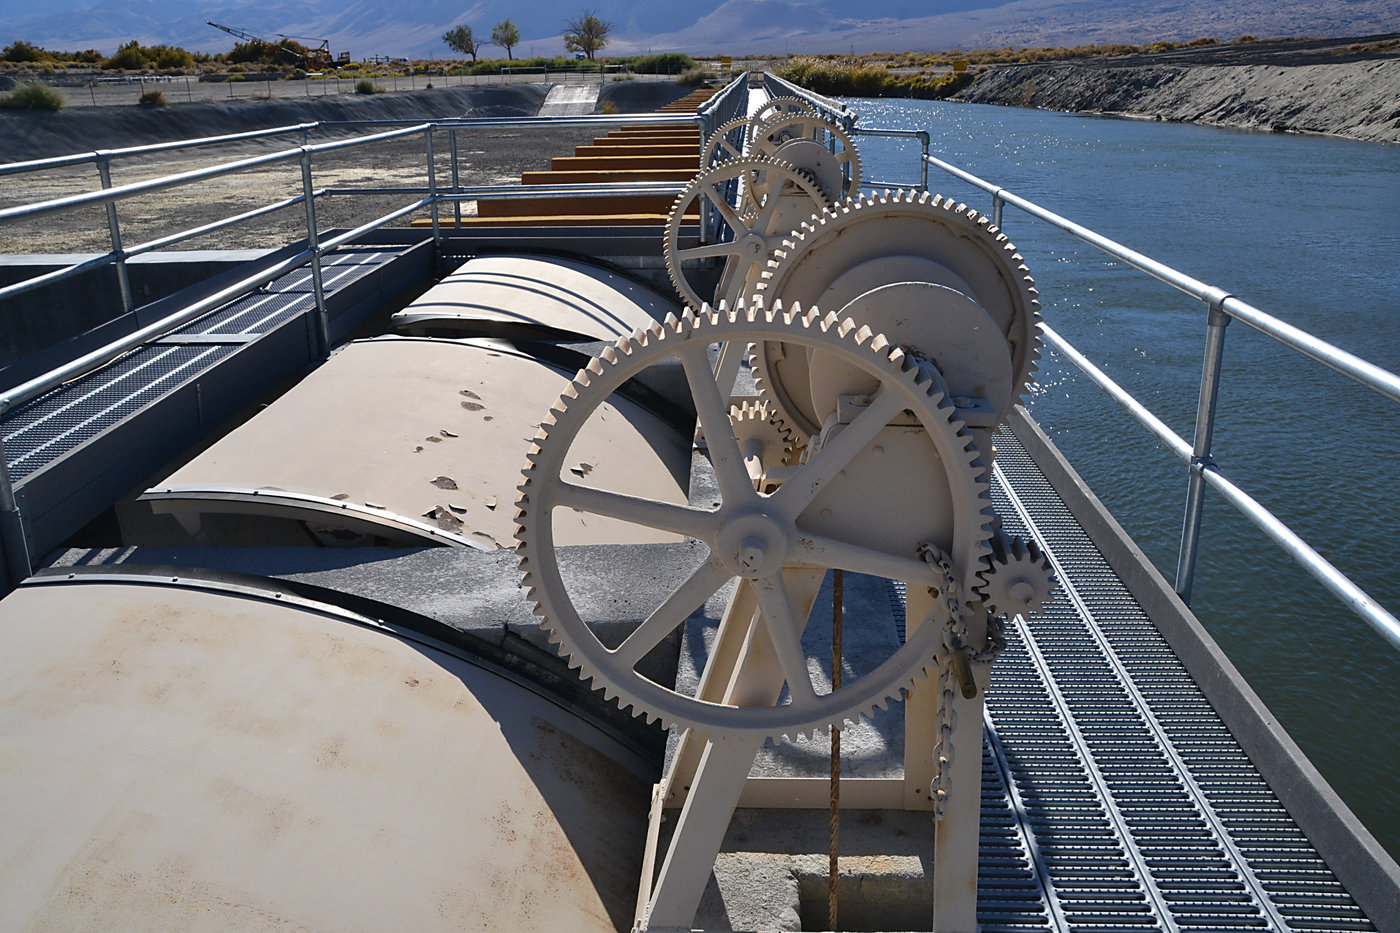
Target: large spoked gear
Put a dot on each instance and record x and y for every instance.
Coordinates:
(857, 247)
(813, 144)
(758, 538)
(782, 198)
(1018, 578)
(722, 146)
(779, 107)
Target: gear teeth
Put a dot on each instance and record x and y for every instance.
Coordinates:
(550, 599)
(1016, 577)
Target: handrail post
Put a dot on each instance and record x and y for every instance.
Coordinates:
(456, 178)
(923, 162)
(13, 537)
(997, 204)
(321, 320)
(432, 189)
(114, 231)
(1216, 323)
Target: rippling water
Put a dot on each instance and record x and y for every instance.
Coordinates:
(1306, 228)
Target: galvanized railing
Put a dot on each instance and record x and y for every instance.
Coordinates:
(831, 109)
(729, 104)
(1221, 308)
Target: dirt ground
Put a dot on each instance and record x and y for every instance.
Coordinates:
(485, 157)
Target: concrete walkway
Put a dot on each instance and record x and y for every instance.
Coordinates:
(570, 100)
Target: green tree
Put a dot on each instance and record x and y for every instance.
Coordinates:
(506, 36)
(130, 56)
(460, 39)
(587, 34)
(172, 56)
(21, 51)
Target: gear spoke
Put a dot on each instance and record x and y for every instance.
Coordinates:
(674, 610)
(835, 454)
(652, 513)
(777, 561)
(735, 486)
(822, 551)
(763, 220)
(775, 607)
(721, 204)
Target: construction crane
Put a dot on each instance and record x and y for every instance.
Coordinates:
(318, 57)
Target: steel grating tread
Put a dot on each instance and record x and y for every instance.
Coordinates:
(1138, 807)
(44, 429)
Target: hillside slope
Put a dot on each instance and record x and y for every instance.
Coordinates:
(1355, 99)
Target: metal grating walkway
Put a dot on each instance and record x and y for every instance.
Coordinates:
(1114, 798)
(44, 429)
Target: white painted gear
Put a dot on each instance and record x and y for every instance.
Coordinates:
(857, 246)
(779, 107)
(762, 436)
(751, 237)
(1018, 578)
(810, 142)
(750, 535)
(720, 146)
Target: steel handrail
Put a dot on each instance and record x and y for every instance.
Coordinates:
(723, 107)
(81, 158)
(833, 109)
(1349, 365)
(132, 189)
(58, 275)
(1203, 471)
(1338, 583)
(924, 138)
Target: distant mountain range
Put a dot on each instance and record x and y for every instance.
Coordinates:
(413, 28)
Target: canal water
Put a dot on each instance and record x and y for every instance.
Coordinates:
(1305, 228)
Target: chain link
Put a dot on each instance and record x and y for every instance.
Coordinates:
(952, 644)
(943, 751)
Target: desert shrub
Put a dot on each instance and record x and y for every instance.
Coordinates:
(668, 63)
(609, 107)
(153, 97)
(367, 86)
(826, 77)
(854, 80)
(34, 96)
(692, 77)
(494, 66)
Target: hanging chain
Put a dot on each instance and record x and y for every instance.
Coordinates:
(955, 658)
(833, 874)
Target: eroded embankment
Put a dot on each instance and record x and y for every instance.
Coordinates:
(1358, 99)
